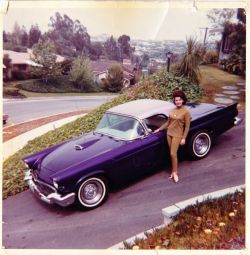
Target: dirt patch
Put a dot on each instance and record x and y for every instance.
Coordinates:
(13, 131)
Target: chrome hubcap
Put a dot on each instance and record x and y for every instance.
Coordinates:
(92, 192)
(201, 144)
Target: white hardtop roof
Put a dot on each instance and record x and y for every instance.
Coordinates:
(143, 108)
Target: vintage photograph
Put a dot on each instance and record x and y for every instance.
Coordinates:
(123, 125)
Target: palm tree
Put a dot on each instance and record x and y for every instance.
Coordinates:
(189, 64)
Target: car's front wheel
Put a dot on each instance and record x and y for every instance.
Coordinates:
(92, 192)
(200, 145)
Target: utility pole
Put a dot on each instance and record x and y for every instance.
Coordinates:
(204, 41)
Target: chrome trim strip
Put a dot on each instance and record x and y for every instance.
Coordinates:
(44, 183)
(53, 198)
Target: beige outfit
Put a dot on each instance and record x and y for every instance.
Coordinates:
(178, 125)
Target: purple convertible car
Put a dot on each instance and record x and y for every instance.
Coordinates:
(122, 147)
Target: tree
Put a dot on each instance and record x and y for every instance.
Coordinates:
(16, 35)
(81, 39)
(24, 37)
(70, 37)
(218, 17)
(236, 35)
(81, 74)
(96, 50)
(34, 35)
(5, 37)
(125, 48)
(45, 58)
(241, 15)
(111, 49)
(114, 80)
(135, 59)
(189, 65)
(144, 60)
(7, 69)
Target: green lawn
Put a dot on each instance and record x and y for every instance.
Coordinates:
(213, 79)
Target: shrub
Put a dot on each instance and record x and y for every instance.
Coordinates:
(12, 92)
(114, 79)
(234, 64)
(168, 82)
(189, 64)
(19, 75)
(81, 74)
(211, 57)
(44, 54)
(59, 84)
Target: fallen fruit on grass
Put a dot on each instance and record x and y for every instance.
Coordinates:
(231, 214)
(208, 231)
(222, 224)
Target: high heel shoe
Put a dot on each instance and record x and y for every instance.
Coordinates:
(170, 176)
(176, 178)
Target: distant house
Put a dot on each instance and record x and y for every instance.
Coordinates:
(20, 63)
(100, 70)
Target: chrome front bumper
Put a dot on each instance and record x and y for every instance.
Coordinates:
(237, 121)
(52, 198)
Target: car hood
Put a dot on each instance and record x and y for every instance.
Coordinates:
(77, 151)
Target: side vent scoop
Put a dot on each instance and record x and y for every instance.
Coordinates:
(78, 147)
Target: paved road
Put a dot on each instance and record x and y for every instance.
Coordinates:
(28, 223)
(21, 110)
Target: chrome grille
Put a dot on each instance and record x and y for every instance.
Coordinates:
(43, 187)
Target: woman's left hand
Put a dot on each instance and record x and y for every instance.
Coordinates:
(183, 141)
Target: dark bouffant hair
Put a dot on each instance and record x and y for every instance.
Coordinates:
(181, 94)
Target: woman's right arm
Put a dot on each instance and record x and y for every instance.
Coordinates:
(162, 127)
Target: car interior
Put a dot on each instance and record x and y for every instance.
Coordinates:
(155, 121)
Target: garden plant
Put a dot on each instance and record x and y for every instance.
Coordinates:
(212, 224)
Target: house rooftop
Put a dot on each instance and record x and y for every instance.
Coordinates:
(102, 66)
(18, 58)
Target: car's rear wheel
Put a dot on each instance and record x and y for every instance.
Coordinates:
(200, 145)
(92, 192)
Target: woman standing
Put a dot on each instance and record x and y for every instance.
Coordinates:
(178, 125)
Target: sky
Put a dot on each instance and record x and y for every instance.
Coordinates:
(140, 20)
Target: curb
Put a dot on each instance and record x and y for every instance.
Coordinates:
(13, 145)
(173, 210)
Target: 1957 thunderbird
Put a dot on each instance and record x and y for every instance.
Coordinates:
(123, 146)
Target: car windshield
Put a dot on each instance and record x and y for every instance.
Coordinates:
(122, 127)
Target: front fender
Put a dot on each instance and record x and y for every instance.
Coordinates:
(94, 173)
(33, 160)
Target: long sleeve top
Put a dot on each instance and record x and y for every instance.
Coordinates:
(178, 122)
